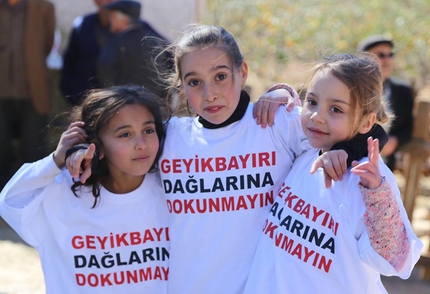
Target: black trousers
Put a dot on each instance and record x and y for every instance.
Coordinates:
(20, 123)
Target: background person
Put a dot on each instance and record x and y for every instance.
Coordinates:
(398, 95)
(89, 33)
(135, 54)
(26, 38)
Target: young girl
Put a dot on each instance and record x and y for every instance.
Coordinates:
(111, 234)
(338, 240)
(220, 170)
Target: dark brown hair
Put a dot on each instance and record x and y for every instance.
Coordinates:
(98, 107)
(198, 38)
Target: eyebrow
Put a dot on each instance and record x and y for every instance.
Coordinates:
(149, 122)
(215, 68)
(331, 99)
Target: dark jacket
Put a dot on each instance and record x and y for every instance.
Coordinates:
(401, 103)
(80, 57)
(129, 58)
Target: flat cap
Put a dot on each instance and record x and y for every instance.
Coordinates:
(373, 41)
(128, 7)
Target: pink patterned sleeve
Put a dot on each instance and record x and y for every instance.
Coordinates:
(290, 89)
(384, 224)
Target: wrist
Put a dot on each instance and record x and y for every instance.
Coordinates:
(57, 159)
(290, 89)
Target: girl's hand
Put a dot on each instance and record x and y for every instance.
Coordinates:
(334, 164)
(266, 106)
(74, 134)
(81, 158)
(370, 177)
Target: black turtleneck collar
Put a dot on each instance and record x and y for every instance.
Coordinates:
(237, 114)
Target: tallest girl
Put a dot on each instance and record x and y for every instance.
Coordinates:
(220, 170)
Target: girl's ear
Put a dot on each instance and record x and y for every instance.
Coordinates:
(367, 123)
(244, 73)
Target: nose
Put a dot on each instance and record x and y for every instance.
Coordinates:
(210, 93)
(140, 143)
(317, 116)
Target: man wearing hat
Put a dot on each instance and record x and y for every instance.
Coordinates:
(89, 33)
(132, 56)
(398, 95)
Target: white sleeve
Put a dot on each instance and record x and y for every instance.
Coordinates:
(21, 197)
(288, 128)
(372, 258)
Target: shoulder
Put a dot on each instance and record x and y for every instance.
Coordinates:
(150, 31)
(399, 83)
(180, 122)
(42, 4)
(84, 19)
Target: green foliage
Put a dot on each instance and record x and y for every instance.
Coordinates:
(271, 33)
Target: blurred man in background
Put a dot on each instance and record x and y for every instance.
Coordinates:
(399, 97)
(135, 54)
(89, 33)
(26, 37)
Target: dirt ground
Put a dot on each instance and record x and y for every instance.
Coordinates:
(20, 270)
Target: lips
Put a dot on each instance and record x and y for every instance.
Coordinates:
(213, 109)
(141, 159)
(317, 131)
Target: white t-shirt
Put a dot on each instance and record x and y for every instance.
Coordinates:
(315, 241)
(120, 246)
(219, 185)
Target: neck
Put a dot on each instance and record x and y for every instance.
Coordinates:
(121, 185)
(104, 17)
(125, 28)
(238, 113)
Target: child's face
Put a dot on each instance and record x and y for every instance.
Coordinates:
(210, 83)
(130, 143)
(326, 112)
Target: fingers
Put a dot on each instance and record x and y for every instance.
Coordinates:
(78, 159)
(333, 162)
(369, 174)
(373, 150)
(257, 112)
(368, 171)
(74, 134)
(316, 165)
(76, 124)
(86, 173)
(88, 156)
(327, 180)
(290, 106)
(329, 170)
(293, 102)
(73, 164)
(265, 106)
